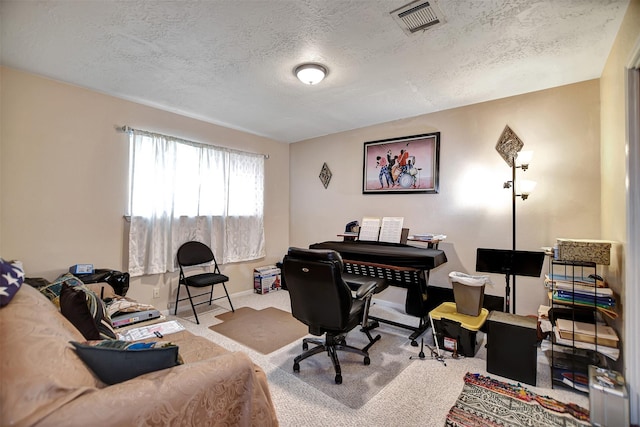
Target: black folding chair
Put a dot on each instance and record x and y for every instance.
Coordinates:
(192, 254)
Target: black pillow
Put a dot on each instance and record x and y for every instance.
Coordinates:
(115, 361)
(86, 312)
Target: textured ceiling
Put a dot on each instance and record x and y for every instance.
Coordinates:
(230, 62)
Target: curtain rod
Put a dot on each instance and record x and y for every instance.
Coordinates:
(128, 129)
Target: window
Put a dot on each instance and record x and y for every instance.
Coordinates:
(183, 191)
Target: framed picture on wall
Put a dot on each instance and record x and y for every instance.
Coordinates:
(402, 165)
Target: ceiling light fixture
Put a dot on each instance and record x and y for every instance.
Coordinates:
(310, 73)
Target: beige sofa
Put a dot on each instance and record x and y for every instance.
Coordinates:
(44, 383)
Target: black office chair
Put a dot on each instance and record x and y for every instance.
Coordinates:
(196, 253)
(322, 300)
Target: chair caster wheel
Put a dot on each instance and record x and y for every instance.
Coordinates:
(305, 346)
(414, 343)
(296, 367)
(367, 360)
(338, 379)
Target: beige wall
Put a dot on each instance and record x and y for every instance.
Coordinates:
(561, 125)
(64, 176)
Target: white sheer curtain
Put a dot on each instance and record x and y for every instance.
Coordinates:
(183, 191)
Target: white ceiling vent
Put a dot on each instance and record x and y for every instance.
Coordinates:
(418, 16)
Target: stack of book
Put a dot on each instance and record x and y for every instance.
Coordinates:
(581, 291)
(599, 337)
(599, 334)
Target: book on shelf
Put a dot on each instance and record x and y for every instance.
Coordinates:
(583, 302)
(574, 379)
(587, 332)
(578, 287)
(567, 355)
(571, 359)
(603, 300)
(578, 280)
(606, 310)
(611, 352)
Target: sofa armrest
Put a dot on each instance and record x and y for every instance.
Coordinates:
(225, 390)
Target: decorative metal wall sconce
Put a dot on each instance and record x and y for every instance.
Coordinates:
(325, 175)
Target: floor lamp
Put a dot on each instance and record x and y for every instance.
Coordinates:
(520, 160)
(509, 146)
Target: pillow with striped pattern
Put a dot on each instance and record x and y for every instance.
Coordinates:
(53, 289)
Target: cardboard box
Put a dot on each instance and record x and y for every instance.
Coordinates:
(266, 279)
(582, 250)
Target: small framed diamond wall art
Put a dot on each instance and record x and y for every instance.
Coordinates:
(325, 175)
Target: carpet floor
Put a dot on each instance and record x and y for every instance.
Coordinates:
(420, 395)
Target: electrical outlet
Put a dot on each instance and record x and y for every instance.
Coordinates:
(156, 292)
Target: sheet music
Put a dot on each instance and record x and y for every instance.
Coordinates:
(369, 229)
(391, 230)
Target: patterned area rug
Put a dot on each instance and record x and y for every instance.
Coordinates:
(488, 402)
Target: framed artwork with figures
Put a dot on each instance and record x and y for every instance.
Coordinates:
(409, 164)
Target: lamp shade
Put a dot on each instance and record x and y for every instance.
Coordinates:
(524, 158)
(526, 186)
(310, 74)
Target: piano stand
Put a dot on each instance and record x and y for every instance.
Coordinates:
(435, 355)
(411, 278)
(417, 331)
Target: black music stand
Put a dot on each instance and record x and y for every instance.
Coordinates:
(509, 263)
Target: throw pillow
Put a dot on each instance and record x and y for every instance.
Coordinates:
(11, 278)
(86, 312)
(37, 282)
(114, 361)
(53, 290)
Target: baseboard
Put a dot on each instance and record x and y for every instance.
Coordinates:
(437, 295)
(187, 308)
